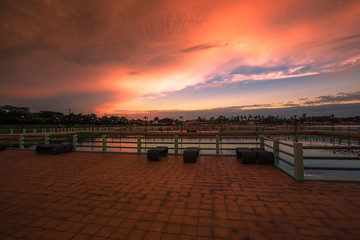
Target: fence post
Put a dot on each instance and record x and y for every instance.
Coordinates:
(139, 144)
(24, 130)
(276, 151)
(262, 142)
(104, 143)
(21, 141)
(217, 145)
(75, 141)
(176, 142)
(298, 161)
(11, 131)
(47, 138)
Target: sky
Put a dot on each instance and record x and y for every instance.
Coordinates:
(188, 58)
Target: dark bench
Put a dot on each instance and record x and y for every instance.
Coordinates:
(263, 156)
(246, 155)
(2, 146)
(54, 148)
(191, 154)
(154, 154)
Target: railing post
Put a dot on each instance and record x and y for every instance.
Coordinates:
(262, 142)
(217, 145)
(21, 141)
(139, 144)
(176, 142)
(34, 130)
(298, 161)
(11, 131)
(47, 138)
(276, 151)
(104, 143)
(75, 141)
(24, 130)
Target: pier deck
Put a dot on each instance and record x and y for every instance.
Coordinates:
(124, 196)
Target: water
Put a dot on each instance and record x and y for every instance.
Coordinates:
(334, 155)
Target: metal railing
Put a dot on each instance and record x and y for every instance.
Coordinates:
(178, 128)
(292, 158)
(210, 145)
(295, 159)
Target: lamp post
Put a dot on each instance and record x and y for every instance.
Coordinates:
(57, 123)
(22, 121)
(181, 117)
(294, 118)
(145, 123)
(92, 123)
(220, 123)
(256, 122)
(333, 121)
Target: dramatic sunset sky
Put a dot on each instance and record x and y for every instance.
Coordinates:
(181, 57)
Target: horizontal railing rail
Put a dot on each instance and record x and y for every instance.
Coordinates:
(297, 158)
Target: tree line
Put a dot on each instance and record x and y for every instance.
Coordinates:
(13, 115)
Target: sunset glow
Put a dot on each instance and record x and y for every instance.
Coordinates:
(132, 58)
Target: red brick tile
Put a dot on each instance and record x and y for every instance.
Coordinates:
(173, 228)
(157, 226)
(143, 225)
(120, 233)
(169, 236)
(132, 197)
(190, 220)
(152, 236)
(135, 215)
(222, 233)
(136, 234)
(176, 219)
(105, 231)
(114, 221)
(91, 229)
(81, 236)
(188, 230)
(205, 231)
(77, 227)
(128, 223)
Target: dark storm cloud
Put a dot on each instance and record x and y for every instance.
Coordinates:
(339, 110)
(341, 97)
(90, 32)
(199, 48)
(83, 102)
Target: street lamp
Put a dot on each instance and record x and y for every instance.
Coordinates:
(220, 123)
(22, 121)
(57, 123)
(181, 117)
(92, 123)
(294, 118)
(145, 123)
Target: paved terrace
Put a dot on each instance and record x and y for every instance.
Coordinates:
(123, 196)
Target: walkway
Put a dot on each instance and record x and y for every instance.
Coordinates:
(123, 196)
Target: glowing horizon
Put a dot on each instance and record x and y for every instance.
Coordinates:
(121, 57)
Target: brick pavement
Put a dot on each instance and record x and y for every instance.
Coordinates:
(123, 196)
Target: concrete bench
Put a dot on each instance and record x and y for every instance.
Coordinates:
(263, 156)
(246, 155)
(154, 154)
(54, 148)
(191, 154)
(2, 146)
